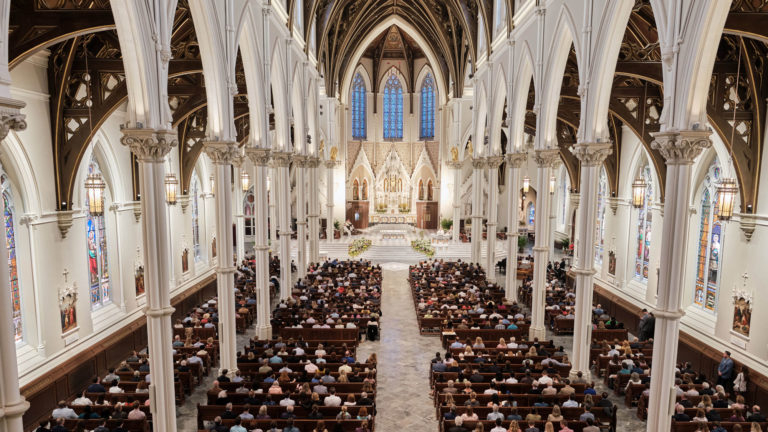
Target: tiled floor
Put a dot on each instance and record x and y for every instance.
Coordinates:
(403, 399)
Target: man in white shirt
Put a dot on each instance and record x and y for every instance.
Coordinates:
(63, 411)
(332, 399)
(287, 401)
(345, 368)
(81, 401)
(545, 379)
(115, 388)
(311, 368)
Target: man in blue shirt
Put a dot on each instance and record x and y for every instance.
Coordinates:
(237, 427)
(290, 427)
(725, 372)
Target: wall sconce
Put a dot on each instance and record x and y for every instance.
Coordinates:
(245, 181)
(213, 184)
(552, 184)
(526, 184)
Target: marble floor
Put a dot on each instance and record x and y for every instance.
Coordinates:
(403, 394)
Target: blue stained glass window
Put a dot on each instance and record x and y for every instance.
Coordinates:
(710, 239)
(195, 218)
(358, 107)
(644, 226)
(98, 264)
(428, 107)
(393, 108)
(10, 243)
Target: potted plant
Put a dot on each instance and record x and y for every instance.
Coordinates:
(446, 224)
(336, 229)
(521, 242)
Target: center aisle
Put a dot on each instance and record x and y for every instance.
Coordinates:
(402, 399)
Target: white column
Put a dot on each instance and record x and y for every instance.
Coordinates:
(330, 165)
(299, 162)
(273, 222)
(260, 159)
(222, 154)
(552, 210)
(456, 227)
(544, 159)
(282, 186)
(478, 165)
(314, 209)
(514, 162)
(238, 205)
(492, 163)
(151, 148)
(12, 403)
(591, 156)
(679, 148)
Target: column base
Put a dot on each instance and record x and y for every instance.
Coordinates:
(534, 332)
(264, 332)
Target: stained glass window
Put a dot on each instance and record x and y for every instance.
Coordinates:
(644, 225)
(602, 192)
(10, 243)
(96, 243)
(708, 256)
(248, 208)
(428, 107)
(358, 107)
(531, 213)
(393, 108)
(195, 191)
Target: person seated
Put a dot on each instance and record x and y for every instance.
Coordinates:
(680, 414)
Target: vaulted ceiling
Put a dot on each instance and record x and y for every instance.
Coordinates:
(449, 27)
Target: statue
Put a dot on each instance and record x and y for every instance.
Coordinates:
(321, 148)
(68, 306)
(334, 153)
(454, 154)
(469, 147)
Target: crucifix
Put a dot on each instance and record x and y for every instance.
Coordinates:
(65, 273)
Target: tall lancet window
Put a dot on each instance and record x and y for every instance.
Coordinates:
(709, 257)
(644, 226)
(195, 192)
(428, 107)
(9, 214)
(393, 108)
(358, 107)
(96, 243)
(602, 195)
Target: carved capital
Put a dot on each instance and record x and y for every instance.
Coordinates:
(331, 164)
(493, 162)
(149, 145)
(747, 225)
(11, 117)
(299, 161)
(478, 163)
(282, 159)
(454, 164)
(681, 147)
(546, 158)
(591, 154)
(516, 160)
(613, 202)
(575, 199)
(312, 162)
(259, 156)
(221, 152)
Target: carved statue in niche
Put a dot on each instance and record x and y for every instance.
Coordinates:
(139, 278)
(334, 153)
(454, 154)
(742, 316)
(321, 148)
(213, 247)
(469, 151)
(185, 261)
(68, 307)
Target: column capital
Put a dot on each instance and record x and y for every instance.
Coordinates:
(545, 158)
(454, 164)
(259, 156)
(681, 147)
(281, 159)
(575, 198)
(221, 152)
(478, 163)
(592, 154)
(493, 162)
(515, 160)
(149, 145)
(11, 117)
(330, 164)
(299, 161)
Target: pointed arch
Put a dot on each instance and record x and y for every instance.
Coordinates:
(497, 108)
(393, 106)
(518, 105)
(555, 69)
(359, 106)
(427, 108)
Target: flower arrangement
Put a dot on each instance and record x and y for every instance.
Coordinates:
(404, 208)
(423, 246)
(359, 246)
(381, 208)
